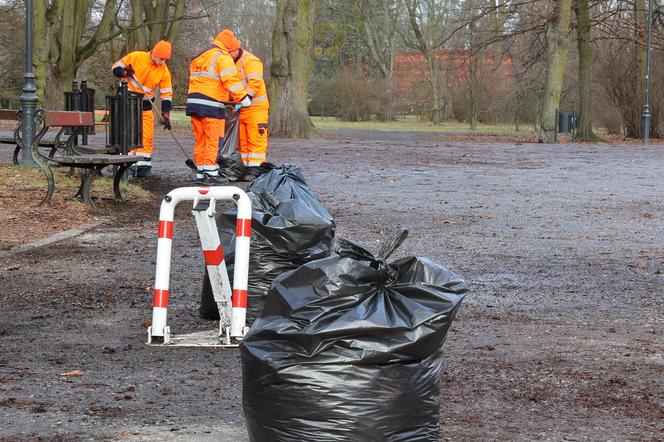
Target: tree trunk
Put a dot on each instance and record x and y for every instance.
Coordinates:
(557, 47)
(62, 45)
(379, 20)
(152, 21)
(59, 28)
(434, 78)
(635, 123)
(585, 71)
(423, 27)
(291, 48)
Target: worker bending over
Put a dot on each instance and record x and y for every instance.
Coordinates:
(145, 72)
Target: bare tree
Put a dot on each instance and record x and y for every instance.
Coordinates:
(635, 125)
(557, 47)
(291, 48)
(379, 21)
(67, 32)
(585, 70)
(12, 51)
(154, 20)
(427, 20)
(61, 43)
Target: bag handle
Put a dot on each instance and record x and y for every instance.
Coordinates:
(392, 243)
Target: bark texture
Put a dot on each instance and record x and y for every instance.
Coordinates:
(585, 71)
(557, 48)
(291, 49)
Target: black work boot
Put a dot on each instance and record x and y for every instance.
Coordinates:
(143, 171)
(251, 173)
(215, 180)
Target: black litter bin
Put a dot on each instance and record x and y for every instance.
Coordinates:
(566, 122)
(82, 100)
(125, 128)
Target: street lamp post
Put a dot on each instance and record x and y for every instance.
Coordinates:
(29, 99)
(646, 107)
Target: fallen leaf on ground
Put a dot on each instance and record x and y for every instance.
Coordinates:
(72, 373)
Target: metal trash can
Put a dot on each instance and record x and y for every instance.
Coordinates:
(566, 122)
(125, 125)
(82, 100)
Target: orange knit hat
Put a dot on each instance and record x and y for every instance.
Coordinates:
(227, 38)
(162, 50)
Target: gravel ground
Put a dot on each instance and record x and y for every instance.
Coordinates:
(560, 337)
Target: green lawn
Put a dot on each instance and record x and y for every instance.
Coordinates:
(411, 124)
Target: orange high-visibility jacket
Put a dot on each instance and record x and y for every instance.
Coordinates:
(251, 70)
(213, 80)
(147, 76)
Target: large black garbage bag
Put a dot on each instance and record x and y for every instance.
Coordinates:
(287, 182)
(348, 348)
(284, 235)
(229, 158)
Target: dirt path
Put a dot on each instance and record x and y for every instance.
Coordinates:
(560, 337)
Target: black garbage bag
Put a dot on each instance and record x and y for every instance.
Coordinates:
(229, 159)
(348, 348)
(287, 182)
(284, 235)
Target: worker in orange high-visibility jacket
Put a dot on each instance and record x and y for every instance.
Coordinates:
(145, 72)
(253, 122)
(213, 82)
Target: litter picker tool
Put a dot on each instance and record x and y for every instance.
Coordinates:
(188, 162)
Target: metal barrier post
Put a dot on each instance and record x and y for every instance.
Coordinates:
(159, 332)
(213, 254)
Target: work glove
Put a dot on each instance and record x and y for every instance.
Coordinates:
(166, 116)
(129, 71)
(246, 102)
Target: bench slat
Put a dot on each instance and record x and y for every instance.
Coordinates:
(7, 114)
(87, 149)
(69, 118)
(97, 159)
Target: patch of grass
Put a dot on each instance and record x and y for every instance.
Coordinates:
(179, 117)
(411, 124)
(33, 180)
(130, 189)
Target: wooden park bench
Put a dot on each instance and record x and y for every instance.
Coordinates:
(68, 144)
(16, 139)
(84, 158)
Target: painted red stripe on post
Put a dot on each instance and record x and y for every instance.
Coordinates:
(239, 298)
(243, 227)
(160, 298)
(166, 229)
(213, 257)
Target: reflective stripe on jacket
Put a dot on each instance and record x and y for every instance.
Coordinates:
(251, 70)
(147, 76)
(213, 80)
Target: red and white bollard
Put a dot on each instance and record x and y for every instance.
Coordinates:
(232, 307)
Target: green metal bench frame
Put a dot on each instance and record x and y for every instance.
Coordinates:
(69, 155)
